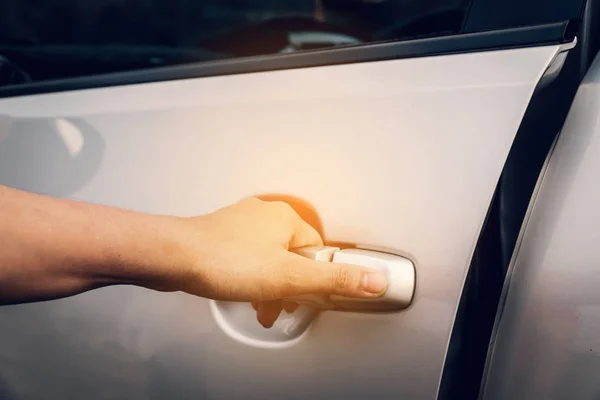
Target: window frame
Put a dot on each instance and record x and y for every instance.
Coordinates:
(538, 35)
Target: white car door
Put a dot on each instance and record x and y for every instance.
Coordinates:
(394, 145)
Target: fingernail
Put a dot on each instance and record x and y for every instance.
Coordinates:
(374, 283)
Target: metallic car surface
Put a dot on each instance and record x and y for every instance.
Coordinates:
(547, 344)
(399, 155)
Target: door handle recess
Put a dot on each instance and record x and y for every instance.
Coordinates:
(400, 272)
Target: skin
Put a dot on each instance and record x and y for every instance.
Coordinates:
(54, 248)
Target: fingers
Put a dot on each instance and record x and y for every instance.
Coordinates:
(305, 235)
(308, 276)
(268, 312)
(290, 307)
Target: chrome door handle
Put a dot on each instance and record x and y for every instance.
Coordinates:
(400, 272)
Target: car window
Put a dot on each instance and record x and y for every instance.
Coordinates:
(54, 39)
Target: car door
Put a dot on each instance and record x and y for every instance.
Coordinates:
(545, 342)
(395, 145)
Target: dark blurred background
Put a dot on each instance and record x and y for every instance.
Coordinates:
(49, 39)
(177, 22)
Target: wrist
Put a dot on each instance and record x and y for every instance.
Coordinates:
(165, 258)
(145, 250)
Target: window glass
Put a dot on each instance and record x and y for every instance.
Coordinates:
(52, 39)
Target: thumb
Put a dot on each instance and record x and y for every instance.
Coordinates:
(321, 277)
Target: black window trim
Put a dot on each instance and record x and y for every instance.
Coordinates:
(538, 35)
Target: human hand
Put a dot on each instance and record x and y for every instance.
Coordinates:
(241, 253)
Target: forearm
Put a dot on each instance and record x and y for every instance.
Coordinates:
(52, 248)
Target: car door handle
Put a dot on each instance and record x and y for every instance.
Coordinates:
(400, 272)
(238, 320)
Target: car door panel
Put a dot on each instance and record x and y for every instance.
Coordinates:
(399, 155)
(545, 339)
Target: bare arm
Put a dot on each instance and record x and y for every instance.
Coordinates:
(52, 248)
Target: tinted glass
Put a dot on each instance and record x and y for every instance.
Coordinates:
(51, 39)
